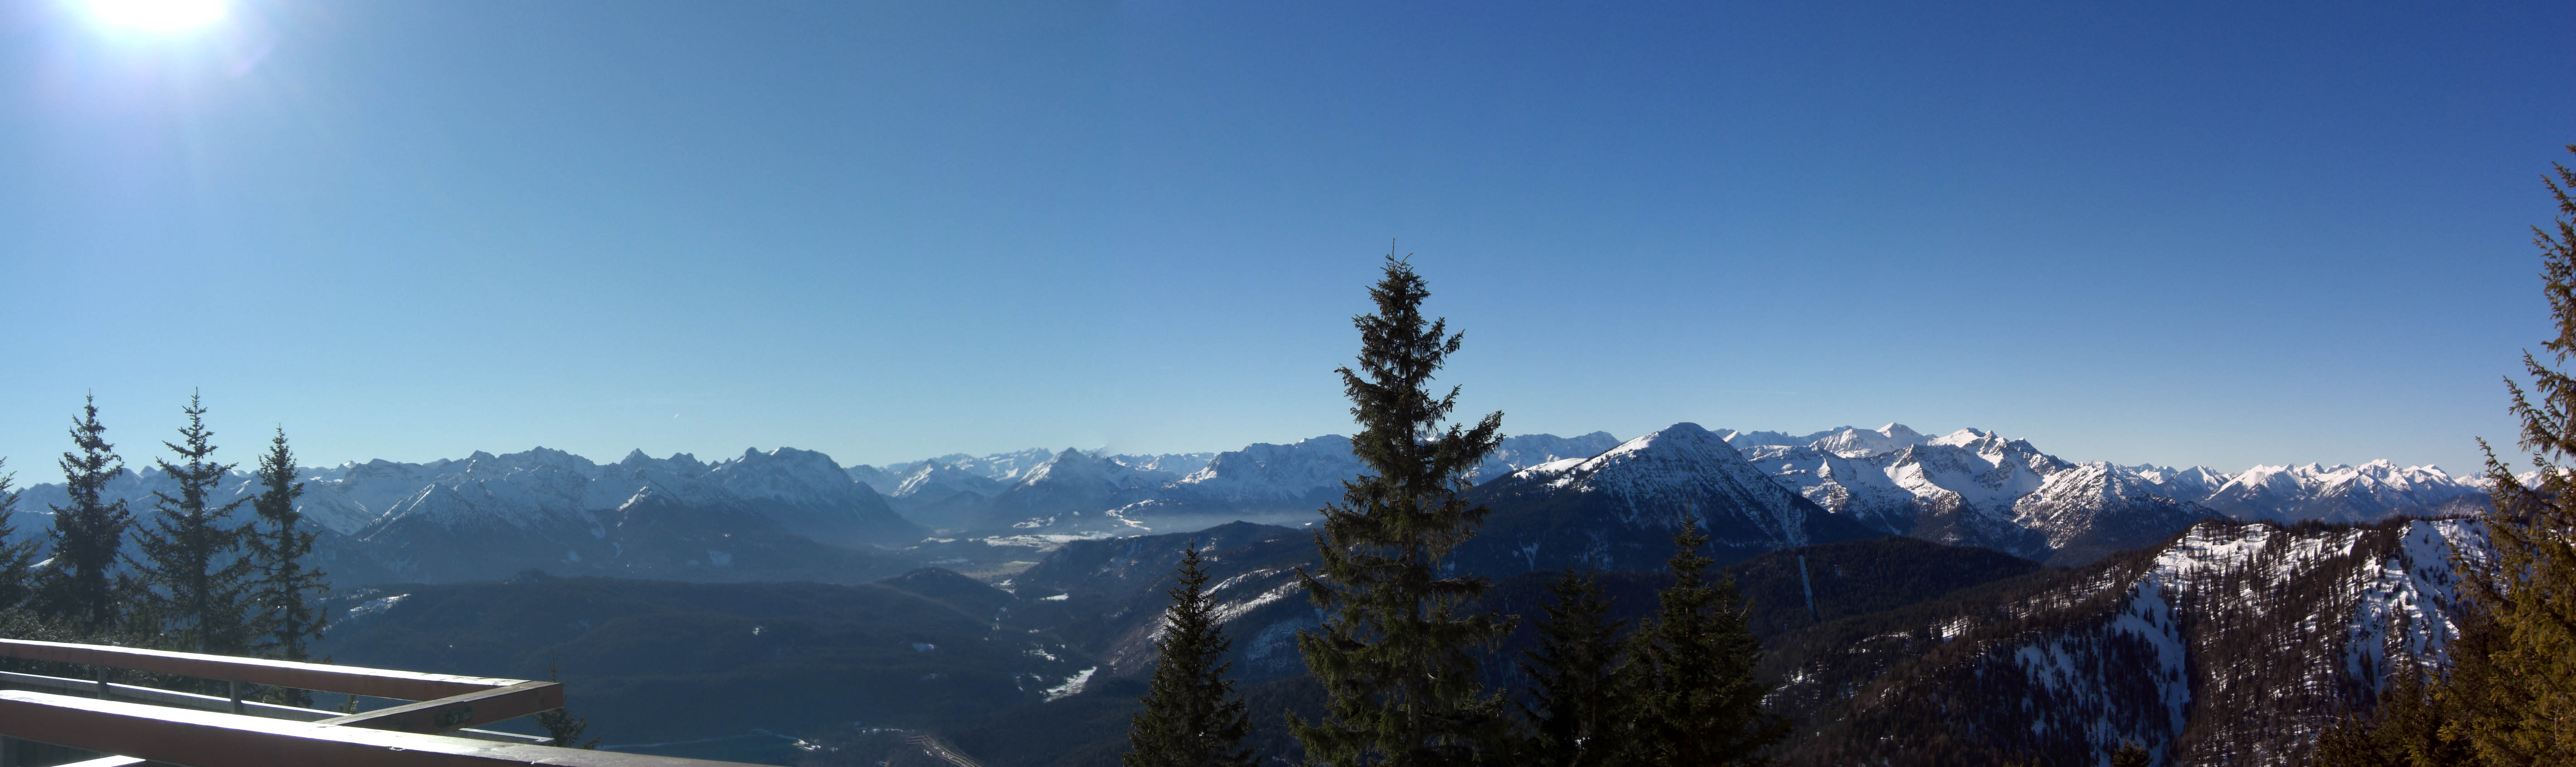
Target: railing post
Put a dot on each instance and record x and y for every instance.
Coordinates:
(237, 705)
(100, 673)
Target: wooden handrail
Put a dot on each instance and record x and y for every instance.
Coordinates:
(349, 680)
(213, 739)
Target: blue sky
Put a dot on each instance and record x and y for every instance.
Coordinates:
(2219, 233)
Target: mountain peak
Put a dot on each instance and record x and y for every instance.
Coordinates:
(1851, 442)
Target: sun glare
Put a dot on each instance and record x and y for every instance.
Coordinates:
(156, 15)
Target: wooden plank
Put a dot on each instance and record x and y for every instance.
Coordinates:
(352, 680)
(216, 739)
(473, 708)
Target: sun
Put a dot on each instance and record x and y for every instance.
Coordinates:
(156, 15)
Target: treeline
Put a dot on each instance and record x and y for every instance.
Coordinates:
(1399, 651)
(191, 573)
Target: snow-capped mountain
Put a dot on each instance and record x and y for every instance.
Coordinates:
(1073, 483)
(2092, 510)
(1073, 490)
(2194, 482)
(1966, 487)
(1617, 510)
(780, 513)
(1959, 488)
(136, 487)
(784, 513)
(1975, 488)
(935, 482)
(1177, 464)
(961, 492)
(1305, 472)
(2339, 493)
(800, 490)
(1521, 451)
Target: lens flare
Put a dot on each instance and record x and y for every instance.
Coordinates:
(156, 15)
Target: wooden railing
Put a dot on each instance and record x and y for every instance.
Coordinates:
(143, 724)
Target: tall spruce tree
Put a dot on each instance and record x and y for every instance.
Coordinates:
(1192, 716)
(1572, 703)
(2518, 688)
(89, 535)
(191, 550)
(283, 600)
(1689, 672)
(1396, 653)
(16, 559)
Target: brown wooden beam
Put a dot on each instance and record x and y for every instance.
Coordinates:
(215, 739)
(10, 680)
(352, 680)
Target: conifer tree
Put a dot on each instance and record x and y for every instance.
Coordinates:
(1689, 672)
(16, 559)
(2131, 755)
(191, 548)
(1395, 653)
(1192, 717)
(1572, 702)
(286, 619)
(89, 535)
(2404, 729)
(2518, 690)
(561, 726)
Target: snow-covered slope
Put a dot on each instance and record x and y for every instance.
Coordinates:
(2232, 644)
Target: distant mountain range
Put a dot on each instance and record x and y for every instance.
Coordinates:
(789, 514)
(1888, 573)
